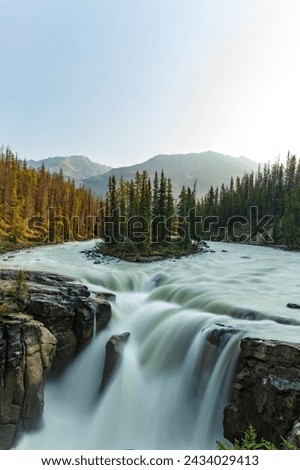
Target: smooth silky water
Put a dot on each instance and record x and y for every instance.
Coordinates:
(176, 372)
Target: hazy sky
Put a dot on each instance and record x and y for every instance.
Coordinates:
(123, 80)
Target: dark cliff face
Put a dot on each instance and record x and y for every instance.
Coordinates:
(27, 349)
(65, 308)
(266, 392)
(56, 323)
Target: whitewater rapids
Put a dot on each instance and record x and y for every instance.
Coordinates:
(176, 373)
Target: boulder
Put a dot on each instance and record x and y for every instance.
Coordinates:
(106, 296)
(103, 314)
(266, 391)
(113, 355)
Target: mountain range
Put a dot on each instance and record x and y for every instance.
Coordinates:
(208, 168)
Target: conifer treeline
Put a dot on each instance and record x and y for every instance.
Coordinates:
(274, 189)
(141, 212)
(40, 206)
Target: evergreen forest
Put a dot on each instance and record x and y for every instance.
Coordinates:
(37, 206)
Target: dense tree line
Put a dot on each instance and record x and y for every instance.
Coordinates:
(144, 212)
(274, 191)
(261, 206)
(39, 206)
(258, 207)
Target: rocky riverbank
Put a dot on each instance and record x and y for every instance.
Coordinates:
(41, 333)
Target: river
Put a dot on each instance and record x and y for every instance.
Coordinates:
(186, 318)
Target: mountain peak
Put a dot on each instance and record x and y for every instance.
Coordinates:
(77, 167)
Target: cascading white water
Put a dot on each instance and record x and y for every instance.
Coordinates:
(176, 373)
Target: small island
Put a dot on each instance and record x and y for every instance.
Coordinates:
(144, 223)
(149, 253)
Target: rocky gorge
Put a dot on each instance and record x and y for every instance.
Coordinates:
(58, 320)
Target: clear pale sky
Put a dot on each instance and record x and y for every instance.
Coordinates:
(123, 80)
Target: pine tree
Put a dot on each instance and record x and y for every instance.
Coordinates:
(169, 210)
(182, 208)
(155, 209)
(162, 199)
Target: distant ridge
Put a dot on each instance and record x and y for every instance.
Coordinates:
(209, 168)
(77, 167)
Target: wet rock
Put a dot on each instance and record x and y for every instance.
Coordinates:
(27, 350)
(221, 334)
(202, 247)
(103, 314)
(56, 310)
(289, 305)
(113, 355)
(106, 296)
(266, 391)
(65, 308)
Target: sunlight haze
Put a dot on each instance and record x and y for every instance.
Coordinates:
(121, 81)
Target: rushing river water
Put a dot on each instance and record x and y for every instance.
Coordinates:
(176, 374)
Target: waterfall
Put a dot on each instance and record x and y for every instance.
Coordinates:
(186, 319)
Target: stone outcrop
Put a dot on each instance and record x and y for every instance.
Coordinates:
(27, 349)
(113, 356)
(65, 308)
(58, 318)
(266, 392)
(221, 334)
